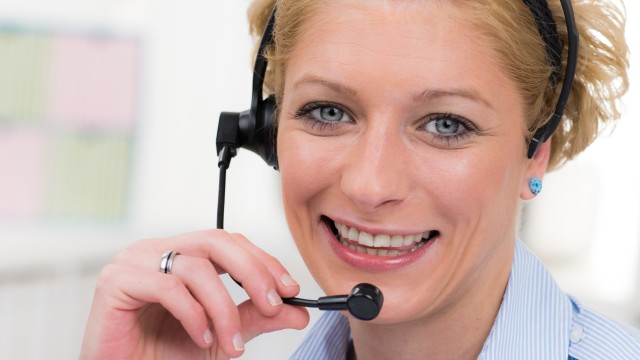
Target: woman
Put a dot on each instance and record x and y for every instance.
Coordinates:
(403, 129)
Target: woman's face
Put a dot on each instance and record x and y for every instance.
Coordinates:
(402, 154)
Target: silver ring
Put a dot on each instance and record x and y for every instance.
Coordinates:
(167, 261)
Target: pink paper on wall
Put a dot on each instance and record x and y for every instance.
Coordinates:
(22, 167)
(92, 83)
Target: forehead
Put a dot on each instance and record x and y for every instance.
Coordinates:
(425, 42)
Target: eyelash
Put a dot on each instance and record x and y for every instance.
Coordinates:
(468, 128)
(317, 124)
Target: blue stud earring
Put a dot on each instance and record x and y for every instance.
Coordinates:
(535, 185)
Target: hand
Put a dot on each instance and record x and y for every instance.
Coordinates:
(139, 312)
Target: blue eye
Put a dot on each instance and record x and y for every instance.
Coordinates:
(323, 116)
(445, 126)
(328, 113)
(448, 128)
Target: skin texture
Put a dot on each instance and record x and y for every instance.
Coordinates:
(140, 313)
(376, 161)
(370, 135)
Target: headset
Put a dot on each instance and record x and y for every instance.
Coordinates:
(255, 130)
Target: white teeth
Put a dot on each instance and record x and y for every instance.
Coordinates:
(342, 229)
(345, 231)
(373, 251)
(352, 234)
(365, 239)
(365, 243)
(397, 241)
(393, 253)
(382, 241)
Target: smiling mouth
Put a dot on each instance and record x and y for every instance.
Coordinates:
(386, 245)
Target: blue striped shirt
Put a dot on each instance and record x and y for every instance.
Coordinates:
(536, 321)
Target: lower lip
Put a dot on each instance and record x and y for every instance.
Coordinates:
(370, 262)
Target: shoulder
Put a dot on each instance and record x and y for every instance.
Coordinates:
(540, 320)
(594, 336)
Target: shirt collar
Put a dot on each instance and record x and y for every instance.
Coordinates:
(327, 340)
(534, 319)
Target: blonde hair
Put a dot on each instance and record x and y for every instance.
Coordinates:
(601, 75)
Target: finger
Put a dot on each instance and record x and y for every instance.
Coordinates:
(226, 253)
(223, 251)
(203, 282)
(286, 285)
(134, 292)
(193, 243)
(254, 323)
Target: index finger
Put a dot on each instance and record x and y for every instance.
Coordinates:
(287, 286)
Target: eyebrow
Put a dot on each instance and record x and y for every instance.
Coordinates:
(315, 80)
(471, 94)
(426, 95)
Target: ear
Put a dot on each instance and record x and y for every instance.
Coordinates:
(536, 167)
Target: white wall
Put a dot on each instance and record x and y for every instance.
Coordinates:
(196, 64)
(586, 223)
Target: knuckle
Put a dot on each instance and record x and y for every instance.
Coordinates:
(214, 234)
(195, 311)
(239, 236)
(272, 261)
(197, 266)
(140, 244)
(254, 270)
(209, 239)
(251, 315)
(172, 286)
(123, 256)
(106, 278)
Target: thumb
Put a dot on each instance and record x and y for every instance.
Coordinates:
(254, 323)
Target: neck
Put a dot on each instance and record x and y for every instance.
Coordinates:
(458, 331)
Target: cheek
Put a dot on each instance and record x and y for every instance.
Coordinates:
(300, 166)
(307, 173)
(475, 192)
(309, 165)
(298, 163)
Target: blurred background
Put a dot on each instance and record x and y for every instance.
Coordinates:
(108, 117)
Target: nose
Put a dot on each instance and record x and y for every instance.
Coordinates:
(377, 173)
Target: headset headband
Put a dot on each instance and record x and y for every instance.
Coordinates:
(261, 113)
(544, 133)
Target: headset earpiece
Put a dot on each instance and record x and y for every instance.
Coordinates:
(253, 129)
(255, 133)
(258, 133)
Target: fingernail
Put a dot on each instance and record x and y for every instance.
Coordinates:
(287, 280)
(274, 298)
(238, 343)
(208, 336)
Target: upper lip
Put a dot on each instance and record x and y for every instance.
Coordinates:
(376, 230)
